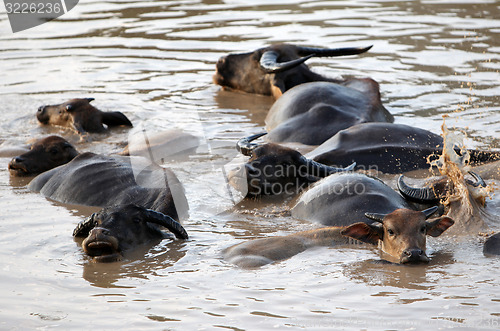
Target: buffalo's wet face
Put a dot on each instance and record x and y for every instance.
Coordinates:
(275, 170)
(53, 114)
(116, 230)
(241, 72)
(45, 154)
(405, 236)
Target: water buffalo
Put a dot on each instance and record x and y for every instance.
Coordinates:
(80, 116)
(388, 147)
(45, 154)
(114, 230)
(275, 69)
(312, 113)
(97, 180)
(492, 245)
(400, 234)
(343, 199)
(275, 172)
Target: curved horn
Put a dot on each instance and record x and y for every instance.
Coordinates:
(83, 228)
(323, 52)
(269, 62)
(479, 181)
(164, 220)
(321, 170)
(245, 145)
(420, 195)
(429, 211)
(376, 217)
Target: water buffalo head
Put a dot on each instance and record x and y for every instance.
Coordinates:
(116, 229)
(45, 154)
(80, 115)
(273, 70)
(402, 233)
(274, 169)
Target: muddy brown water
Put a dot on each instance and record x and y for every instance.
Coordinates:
(154, 62)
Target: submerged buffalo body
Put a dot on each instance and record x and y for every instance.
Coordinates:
(387, 147)
(98, 180)
(343, 199)
(492, 245)
(401, 235)
(81, 116)
(275, 69)
(314, 112)
(117, 229)
(45, 154)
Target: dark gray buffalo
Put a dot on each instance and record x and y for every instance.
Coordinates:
(275, 69)
(44, 154)
(97, 180)
(117, 229)
(274, 169)
(80, 116)
(386, 147)
(312, 113)
(343, 199)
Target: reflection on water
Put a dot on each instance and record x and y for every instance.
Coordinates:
(383, 273)
(139, 263)
(154, 62)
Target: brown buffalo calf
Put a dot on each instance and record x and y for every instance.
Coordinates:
(81, 116)
(45, 154)
(401, 234)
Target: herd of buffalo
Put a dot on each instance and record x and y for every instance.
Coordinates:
(324, 137)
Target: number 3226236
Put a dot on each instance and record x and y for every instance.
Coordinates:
(33, 8)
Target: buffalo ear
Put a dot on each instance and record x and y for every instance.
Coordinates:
(83, 228)
(89, 100)
(367, 233)
(437, 226)
(277, 88)
(115, 118)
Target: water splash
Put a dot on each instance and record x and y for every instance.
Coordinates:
(464, 202)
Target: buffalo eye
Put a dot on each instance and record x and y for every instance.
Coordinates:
(69, 107)
(390, 232)
(54, 151)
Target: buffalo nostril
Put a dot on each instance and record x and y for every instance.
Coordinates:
(413, 252)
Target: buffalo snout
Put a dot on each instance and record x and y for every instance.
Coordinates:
(42, 115)
(413, 255)
(101, 245)
(17, 166)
